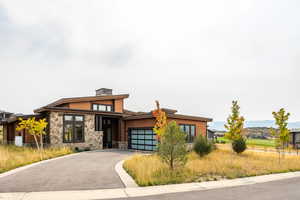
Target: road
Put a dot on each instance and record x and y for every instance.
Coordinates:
(288, 189)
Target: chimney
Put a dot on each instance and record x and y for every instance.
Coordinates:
(103, 92)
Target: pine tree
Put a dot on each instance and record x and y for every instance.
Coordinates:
(172, 148)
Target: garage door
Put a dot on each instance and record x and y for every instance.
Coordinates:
(142, 139)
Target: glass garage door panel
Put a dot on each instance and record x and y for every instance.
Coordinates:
(142, 139)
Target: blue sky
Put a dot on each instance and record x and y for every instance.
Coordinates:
(195, 56)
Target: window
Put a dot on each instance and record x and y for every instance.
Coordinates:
(102, 107)
(73, 129)
(190, 130)
(98, 123)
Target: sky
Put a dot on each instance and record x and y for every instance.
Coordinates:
(194, 56)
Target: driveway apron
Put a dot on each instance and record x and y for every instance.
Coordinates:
(85, 171)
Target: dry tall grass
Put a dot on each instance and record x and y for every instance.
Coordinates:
(12, 157)
(221, 164)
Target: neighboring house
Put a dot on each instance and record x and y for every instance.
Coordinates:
(211, 134)
(3, 116)
(295, 137)
(101, 121)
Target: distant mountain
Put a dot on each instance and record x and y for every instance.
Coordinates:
(219, 125)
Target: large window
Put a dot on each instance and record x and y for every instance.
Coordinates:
(190, 130)
(73, 129)
(102, 107)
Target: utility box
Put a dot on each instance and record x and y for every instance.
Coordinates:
(19, 141)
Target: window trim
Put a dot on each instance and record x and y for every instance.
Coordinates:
(188, 138)
(73, 123)
(106, 107)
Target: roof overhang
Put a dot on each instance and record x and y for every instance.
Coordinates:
(171, 116)
(87, 99)
(70, 110)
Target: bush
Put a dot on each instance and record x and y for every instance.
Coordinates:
(239, 145)
(202, 146)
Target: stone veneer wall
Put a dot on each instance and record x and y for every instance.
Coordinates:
(123, 145)
(93, 139)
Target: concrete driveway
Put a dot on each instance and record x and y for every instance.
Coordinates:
(84, 171)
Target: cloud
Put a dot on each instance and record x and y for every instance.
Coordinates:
(42, 43)
(195, 56)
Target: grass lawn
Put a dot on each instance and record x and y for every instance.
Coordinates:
(254, 142)
(221, 164)
(12, 157)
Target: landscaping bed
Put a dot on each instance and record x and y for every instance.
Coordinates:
(12, 157)
(221, 164)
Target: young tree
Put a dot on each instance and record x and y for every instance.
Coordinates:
(235, 124)
(161, 121)
(34, 128)
(172, 148)
(282, 133)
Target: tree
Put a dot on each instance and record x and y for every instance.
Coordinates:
(161, 121)
(239, 145)
(235, 126)
(282, 133)
(172, 148)
(202, 146)
(34, 128)
(235, 123)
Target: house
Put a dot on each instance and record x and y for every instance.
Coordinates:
(4, 115)
(295, 137)
(101, 121)
(210, 134)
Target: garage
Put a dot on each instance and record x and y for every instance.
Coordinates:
(142, 139)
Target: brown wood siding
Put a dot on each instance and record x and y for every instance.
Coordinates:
(88, 105)
(81, 105)
(106, 102)
(201, 127)
(119, 105)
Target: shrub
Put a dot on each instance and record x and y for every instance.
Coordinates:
(239, 145)
(172, 148)
(202, 146)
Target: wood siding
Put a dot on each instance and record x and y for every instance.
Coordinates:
(118, 105)
(201, 127)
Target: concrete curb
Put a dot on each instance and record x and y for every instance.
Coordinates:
(124, 176)
(16, 170)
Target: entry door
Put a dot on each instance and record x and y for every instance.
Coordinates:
(107, 133)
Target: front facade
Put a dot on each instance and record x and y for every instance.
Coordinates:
(100, 121)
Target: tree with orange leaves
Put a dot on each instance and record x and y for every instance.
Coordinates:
(161, 121)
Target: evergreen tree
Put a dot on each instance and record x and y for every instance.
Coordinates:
(172, 148)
